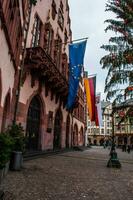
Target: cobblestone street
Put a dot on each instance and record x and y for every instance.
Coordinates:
(72, 176)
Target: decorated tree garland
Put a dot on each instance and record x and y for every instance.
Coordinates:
(119, 60)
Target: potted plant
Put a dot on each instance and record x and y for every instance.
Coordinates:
(17, 133)
(6, 146)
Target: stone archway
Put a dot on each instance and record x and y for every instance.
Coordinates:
(101, 142)
(67, 131)
(81, 136)
(75, 135)
(33, 124)
(57, 129)
(6, 113)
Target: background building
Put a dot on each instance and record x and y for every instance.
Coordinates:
(123, 123)
(43, 30)
(97, 135)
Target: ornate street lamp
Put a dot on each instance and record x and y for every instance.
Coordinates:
(113, 161)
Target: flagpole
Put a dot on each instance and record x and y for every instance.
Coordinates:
(86, 38)
(69, 42)
(92, 75)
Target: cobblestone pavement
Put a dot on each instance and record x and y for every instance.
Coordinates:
(72, 176)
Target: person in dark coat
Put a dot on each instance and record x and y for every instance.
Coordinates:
(123, 147)
(128, 148)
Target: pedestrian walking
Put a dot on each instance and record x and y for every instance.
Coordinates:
(123, 148)
(109, 144)
(128, 148)
(104, 144)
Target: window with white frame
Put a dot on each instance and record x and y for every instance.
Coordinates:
(60, 18)
(102, 131)
(36, 32)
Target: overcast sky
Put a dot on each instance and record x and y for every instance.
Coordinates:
(87, 20)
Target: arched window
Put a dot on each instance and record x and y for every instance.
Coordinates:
(64, 65)
(75, 135)
(6, 113)
(67, 131)
(48, 38)
(81, 136)
(36, 33)
(58, 52)
(60, 16)
(54, 12)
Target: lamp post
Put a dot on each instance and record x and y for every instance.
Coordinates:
(113, 161)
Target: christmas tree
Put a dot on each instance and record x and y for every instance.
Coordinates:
(119, 60)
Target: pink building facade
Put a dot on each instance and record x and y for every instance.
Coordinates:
(44, 78)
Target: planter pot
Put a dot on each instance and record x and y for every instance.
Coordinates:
(16, 160)
(1, 175)
(6, 169)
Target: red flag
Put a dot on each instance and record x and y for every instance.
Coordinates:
(98, 116)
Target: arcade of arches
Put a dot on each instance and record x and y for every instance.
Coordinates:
(120, 140)
(43, 79)
(124, 139)
(36, 126)
(98, 139)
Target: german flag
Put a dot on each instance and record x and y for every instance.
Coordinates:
(90, 88)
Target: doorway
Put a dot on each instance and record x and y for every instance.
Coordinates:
(67, 131)
(57, 129)
(33, 124)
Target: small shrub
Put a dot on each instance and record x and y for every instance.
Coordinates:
(17, 133)
(6, 146)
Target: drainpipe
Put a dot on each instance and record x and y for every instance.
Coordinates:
(21, 68)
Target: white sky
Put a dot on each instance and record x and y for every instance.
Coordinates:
(87, 20)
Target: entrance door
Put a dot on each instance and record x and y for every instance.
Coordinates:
(57, 130)
(67, 131)
(75, 136)
(33, 124)
(6, 112)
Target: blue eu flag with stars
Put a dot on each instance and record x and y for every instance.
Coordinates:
(76, 60)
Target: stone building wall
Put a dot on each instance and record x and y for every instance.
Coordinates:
(47, 104)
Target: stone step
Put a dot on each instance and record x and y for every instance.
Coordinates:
(37, 154)
(81, 148)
